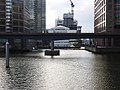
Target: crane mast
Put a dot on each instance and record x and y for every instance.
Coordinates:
(72, 6)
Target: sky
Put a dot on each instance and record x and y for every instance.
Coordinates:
(83, 12)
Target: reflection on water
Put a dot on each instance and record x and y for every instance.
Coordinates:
(73, 70)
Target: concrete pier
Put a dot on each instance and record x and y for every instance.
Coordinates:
(52, 52)
(7, 54)
(102, 49)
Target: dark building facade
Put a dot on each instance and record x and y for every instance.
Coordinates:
(14, 18)
(2, 15)
(107, 20)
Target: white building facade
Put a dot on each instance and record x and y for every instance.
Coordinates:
(61, 29)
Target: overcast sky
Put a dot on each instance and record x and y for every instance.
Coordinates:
(84, 12)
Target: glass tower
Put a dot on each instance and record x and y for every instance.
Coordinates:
(40, 15)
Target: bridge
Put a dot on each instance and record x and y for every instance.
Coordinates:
(51, 37)
(56, 36)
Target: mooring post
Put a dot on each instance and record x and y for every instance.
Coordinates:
(7, 54)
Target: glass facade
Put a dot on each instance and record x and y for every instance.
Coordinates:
(40, 15)
(117, 14)
(30, 4)
(14, 18)
(107, 20)
(117, 1)
(100, 16)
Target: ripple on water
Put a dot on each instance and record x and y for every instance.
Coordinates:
(73, 70)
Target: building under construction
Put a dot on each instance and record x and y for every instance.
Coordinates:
(68, 20)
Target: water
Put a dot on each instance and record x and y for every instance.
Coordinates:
(73, 70)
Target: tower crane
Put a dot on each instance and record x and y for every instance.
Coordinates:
(72, 6)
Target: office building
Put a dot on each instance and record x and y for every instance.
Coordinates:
(40, 15)
(37, 9)
(14, 18)
(107, 20)
(21, 16)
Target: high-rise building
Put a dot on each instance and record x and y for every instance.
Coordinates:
(107, 20)
(21, 16)
(40, 15)
(14, 18)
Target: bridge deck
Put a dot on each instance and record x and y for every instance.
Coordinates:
(56, 36)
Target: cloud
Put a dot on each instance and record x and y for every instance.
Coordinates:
(83, 12)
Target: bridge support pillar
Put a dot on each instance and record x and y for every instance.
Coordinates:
(7, 54)
(52, 45)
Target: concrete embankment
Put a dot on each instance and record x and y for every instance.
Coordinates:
(103, 50)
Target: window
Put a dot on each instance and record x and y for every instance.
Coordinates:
(21, 23)
(15, 29)
(20, 16)
(15, 9)
(2, 1)
(7, 16)
(2, 7)
(8, 10)
(20, 29)
(20, 10)
(15, 16)
(2, 21)
(15, 23)
(116, 1)
(2, 29)
(2, 15)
